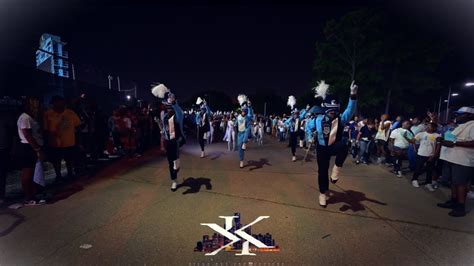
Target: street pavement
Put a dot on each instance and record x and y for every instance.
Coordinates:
(129, 216)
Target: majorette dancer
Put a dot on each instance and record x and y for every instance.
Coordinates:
(329, 125)
(244, 122)
(230, 132)
(171, 120)
(203, 123)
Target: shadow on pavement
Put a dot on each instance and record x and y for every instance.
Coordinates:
(194, 184)
(258, 164)
(217, 155)
(352, 199)
(18, 219)
(310, 157)
(65, 193)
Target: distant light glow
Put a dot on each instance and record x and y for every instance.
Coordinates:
(129, 97)
(445, 101)
(455, 94)
(469, 84)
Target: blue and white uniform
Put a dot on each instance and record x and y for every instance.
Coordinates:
(173, 134)
(329, 142)
(243, 130)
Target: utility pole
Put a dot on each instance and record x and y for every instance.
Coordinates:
(265, 110)
(118, 82)
(73, 72)
(447, 104)
(439, 106)
(110, 78)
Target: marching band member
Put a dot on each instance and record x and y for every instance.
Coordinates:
(244, 122)
(203, 123)
(293, 124)
(171, 124)
(329, 125)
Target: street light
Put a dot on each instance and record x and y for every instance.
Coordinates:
(129, 97)
(468, 84)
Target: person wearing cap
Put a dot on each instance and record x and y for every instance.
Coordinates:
(244, 122)
(171, 124)
(203, 123)
(457, 151)
(329, 125)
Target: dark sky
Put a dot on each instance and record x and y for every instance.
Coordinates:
(211, 45)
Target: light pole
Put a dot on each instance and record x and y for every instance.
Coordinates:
(110, 81)
(447, 104)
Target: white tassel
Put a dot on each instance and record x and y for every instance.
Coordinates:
(242, 98)
(291, 101)
(159, 91)
(321, 90)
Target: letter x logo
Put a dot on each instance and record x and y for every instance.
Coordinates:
(238, 233)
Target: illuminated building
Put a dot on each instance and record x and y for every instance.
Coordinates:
(51, 56)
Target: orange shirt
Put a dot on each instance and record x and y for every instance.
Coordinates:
(61, 128)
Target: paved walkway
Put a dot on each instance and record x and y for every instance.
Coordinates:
(129, 215)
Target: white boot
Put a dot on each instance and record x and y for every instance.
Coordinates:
(174, 185)
(322, 200)
(243, 146)
(241, 164)
(176, 164)
(202, 154)
(293, 159)
(335, 174)
(301, 144)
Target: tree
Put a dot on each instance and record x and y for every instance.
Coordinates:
(390, 61)
(348, 52)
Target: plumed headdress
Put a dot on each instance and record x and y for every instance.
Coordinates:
(162, 92)
(291, 103)
(243, 101)
(201, 102)
(159, 90)
(324, 99)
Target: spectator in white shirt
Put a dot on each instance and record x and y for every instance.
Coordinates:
(30, 148)
(458, 153)
(381, 137)
(399, 145)
(426, 155)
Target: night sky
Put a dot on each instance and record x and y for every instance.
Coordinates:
(211, 45)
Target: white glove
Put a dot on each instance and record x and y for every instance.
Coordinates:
(354, 88)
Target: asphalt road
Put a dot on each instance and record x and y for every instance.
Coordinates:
(129, 216)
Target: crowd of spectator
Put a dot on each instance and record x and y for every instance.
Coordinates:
(33, 137)
(79, 134)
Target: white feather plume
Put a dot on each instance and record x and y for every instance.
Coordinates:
(291, 101)
(199, 100)
(159, 91)
(321, 90)
(242, 98)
